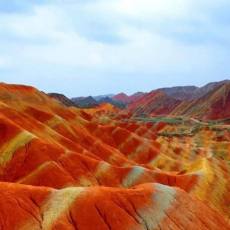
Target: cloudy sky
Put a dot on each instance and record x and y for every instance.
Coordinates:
(91, 47)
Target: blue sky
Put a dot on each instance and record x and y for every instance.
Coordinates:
(92, 47)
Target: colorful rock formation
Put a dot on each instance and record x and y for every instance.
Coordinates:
(69, 168)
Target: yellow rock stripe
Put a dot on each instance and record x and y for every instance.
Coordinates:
(133, 176)
(102, 168)
(59, 202)
(162, 199)
(8, 149)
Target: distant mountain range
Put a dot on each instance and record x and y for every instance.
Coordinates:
(62, 98)
(91, 102)
(85, 102)
(128, 99)
(112, 101)
(211, 101)
(207, 102)
(215, 104)
(101, 97)
(154, 103)
(191, 92)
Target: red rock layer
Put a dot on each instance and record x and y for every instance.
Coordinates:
(147, 206)
(81, 164)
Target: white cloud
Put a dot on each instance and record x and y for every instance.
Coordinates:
(51, 36)
(3, 63)
(147, 8)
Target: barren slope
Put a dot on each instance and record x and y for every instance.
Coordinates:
(68, 168)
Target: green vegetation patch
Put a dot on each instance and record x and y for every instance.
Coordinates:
(168, 120)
